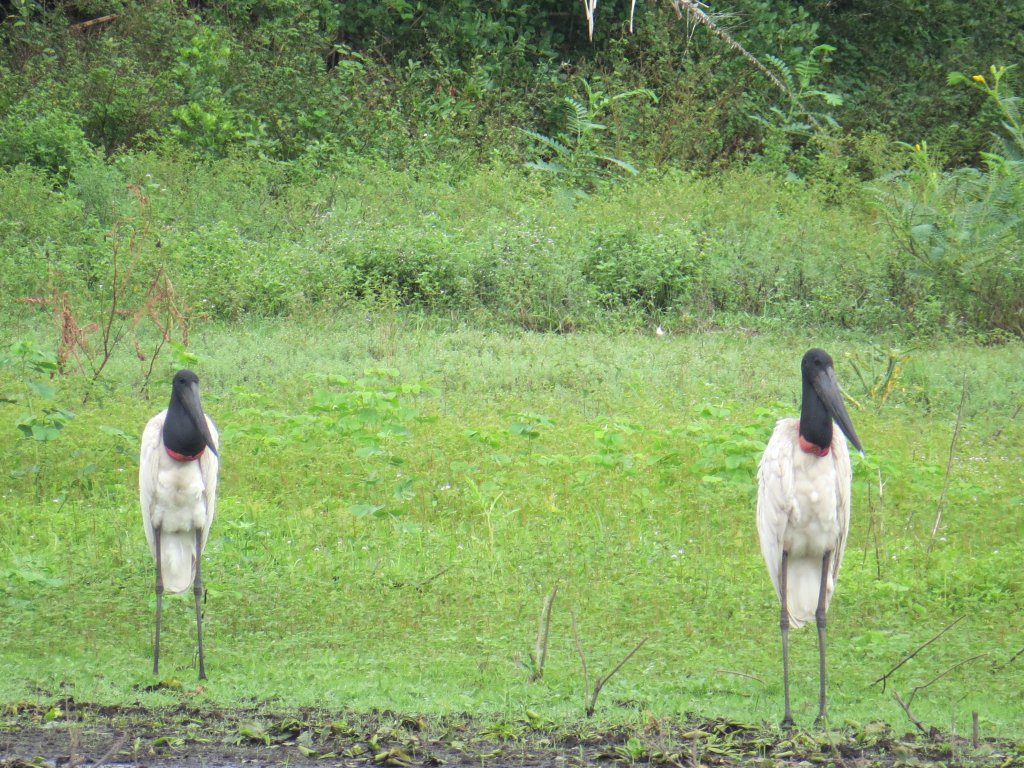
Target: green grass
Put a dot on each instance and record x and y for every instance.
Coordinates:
(386, 550)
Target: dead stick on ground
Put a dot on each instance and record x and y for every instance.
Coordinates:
(914, 653)
(910, 715)
(540, 649)
(949, 463)
(916, 688)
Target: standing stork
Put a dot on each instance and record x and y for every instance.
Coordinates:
(803, 508)
(177, 490)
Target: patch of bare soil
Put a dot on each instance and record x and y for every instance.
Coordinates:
(71, 734)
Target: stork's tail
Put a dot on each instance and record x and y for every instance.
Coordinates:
(803, 583)
(178, 560)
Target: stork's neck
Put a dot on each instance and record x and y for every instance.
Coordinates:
(181, 435)
(815, 423)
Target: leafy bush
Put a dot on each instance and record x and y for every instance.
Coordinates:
(961, 230)
(43, 136)
(653, 271)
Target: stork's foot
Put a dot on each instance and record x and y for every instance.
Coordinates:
(787, 724)
(821, 721)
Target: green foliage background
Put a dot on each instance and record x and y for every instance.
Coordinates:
(540, 232)
(275, 157)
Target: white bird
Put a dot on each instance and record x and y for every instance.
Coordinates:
(803, 508)
(177, 490)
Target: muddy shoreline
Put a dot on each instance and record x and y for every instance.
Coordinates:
(73, 734)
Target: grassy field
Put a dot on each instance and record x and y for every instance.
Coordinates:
(398, 496)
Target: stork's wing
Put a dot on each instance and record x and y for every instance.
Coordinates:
(149, 465)
(844, 472)
(776, 494)
(208, 466)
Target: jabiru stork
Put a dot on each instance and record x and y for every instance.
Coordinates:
(177, 491)
(803, 508)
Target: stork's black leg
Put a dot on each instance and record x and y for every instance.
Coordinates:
(197, 589)
(819, 617)
(787, 718)
(159, 601)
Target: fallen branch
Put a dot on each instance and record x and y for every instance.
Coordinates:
(914, 653)
(83, 25)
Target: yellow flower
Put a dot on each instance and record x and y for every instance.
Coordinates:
(978, 78)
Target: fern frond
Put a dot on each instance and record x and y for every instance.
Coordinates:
(782, 71)
(555, 144)
(577, 116)
(627, 167)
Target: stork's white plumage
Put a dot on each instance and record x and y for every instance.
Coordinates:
(803, 508)
(177, 492)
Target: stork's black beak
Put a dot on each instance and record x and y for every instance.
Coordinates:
(190, 401)
(827, 387)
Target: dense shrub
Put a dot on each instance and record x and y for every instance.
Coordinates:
(242, 236)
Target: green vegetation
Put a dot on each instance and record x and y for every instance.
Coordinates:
(397, 499)
(484, 308)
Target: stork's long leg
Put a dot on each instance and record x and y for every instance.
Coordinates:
(159, 601)
(197, 589)
(819, 617)
(787, 718)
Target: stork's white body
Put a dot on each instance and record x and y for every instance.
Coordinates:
(178, 497)
(803, 507)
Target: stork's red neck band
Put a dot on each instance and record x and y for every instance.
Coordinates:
(807, 446)
(181, 456)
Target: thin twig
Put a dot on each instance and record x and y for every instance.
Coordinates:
(740, 674)
(942, 674)
(916, 651)
(583, 656)
(540, 649)
(949, 463)
(602, 680)
(910, 715)
(916, 688)
(1014, 415)
(1015, 656)
(876, 524)
(118, 743)
(880, 528)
